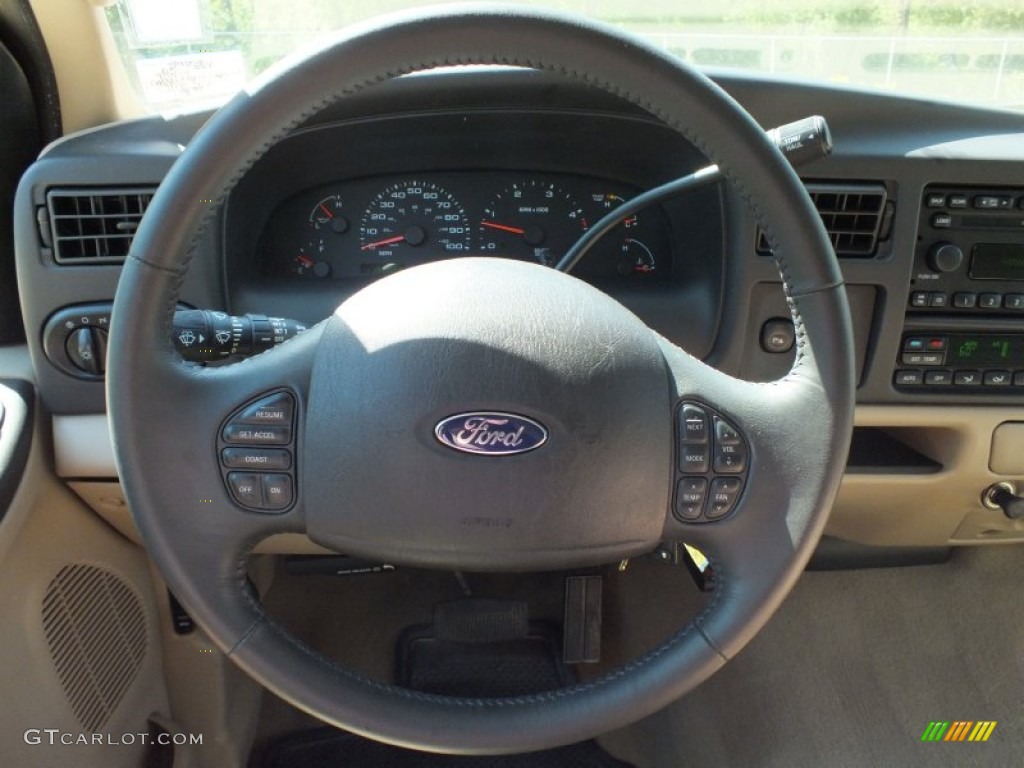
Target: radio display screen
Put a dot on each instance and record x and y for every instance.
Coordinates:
(1004, 261)
(985, 351)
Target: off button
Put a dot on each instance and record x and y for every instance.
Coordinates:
(246, 488)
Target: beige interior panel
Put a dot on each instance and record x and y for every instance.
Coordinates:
(208, 694)
(107, 499)
(92, 84)
(64, 574)
(933, 509)
(82, 446)
(1008, 449)
(883, 508)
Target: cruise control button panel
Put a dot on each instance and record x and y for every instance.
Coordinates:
(712, 462)
(256, 451)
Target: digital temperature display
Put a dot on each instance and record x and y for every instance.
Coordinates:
(985, 351)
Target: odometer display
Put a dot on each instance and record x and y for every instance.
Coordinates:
(412, 222)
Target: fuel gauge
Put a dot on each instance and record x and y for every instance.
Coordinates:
(310, 262)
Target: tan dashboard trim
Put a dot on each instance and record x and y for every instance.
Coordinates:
(928, 509)
(884, 509)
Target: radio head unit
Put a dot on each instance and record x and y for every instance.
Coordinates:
(970, 251)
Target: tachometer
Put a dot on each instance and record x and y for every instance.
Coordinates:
(532, 219)
(413, 215)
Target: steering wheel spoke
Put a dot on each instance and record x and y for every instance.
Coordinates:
(759, 510)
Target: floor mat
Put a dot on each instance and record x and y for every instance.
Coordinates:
(452, 661)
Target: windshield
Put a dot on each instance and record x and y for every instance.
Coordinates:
(192, 52)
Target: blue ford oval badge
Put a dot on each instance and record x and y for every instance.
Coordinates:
(491, 434)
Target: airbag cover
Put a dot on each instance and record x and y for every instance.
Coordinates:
(580, 379)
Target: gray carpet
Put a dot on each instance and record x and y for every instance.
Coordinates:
(852, 669)
(849, 673)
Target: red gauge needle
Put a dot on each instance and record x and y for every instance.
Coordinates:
(327, 211)
(503, 227)
(305, 260)
(385, 241)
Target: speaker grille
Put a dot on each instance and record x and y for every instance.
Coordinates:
(96, 630)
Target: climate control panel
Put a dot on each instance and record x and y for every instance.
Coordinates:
(976, 363)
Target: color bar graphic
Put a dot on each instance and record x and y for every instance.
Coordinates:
(958, 730)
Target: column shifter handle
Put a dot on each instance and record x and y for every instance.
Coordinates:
(1002, 496)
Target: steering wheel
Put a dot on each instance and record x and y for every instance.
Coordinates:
(476, 413)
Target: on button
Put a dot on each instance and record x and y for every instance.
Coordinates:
(277, 490)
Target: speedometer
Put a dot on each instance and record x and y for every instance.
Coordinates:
(412, 216)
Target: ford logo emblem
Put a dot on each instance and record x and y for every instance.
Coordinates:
(491, 434)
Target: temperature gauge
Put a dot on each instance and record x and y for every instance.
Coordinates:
(327, 216)
(637, 258)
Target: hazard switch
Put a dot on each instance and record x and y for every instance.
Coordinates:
(777, 335)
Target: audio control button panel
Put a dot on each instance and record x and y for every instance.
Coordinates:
(256, 450)
(712, 466)
(969, 258)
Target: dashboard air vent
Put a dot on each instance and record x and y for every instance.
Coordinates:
(95, 225)
(855, 217)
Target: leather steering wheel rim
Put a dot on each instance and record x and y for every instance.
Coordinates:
(798, 427)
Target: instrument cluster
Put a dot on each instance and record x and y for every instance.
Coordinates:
(370, 227)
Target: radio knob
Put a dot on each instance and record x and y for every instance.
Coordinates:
(945, 257)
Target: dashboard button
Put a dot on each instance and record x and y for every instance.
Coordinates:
(967, 378)
(777, 335)
(990, 300)
(997, 378)
(965, 300)
(937, 299)
(936, 201)
(1014, 301)
(725, 492)
(919, 299)
(992, 202)
(908, 378)
(1018, 379)
(256, 458)
(730, 452)
(690, 494)
(276, 409)
(942, 221)
(913, 344)
(693, 457)
(246, 488)
(937, 344)
(277, 491)
(922, 358)
(241, 434)
(693, 424)
(938, 378)
(958, 201)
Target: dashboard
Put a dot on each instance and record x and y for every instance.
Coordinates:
(923, 201)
